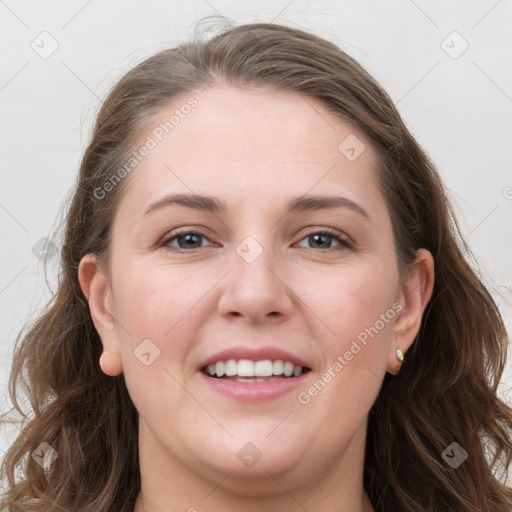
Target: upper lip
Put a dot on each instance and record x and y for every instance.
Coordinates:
(254, 354)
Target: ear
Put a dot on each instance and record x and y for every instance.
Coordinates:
(96, 289)
(414, 296)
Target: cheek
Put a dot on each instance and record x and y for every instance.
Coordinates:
(156, 307)
(160, 309)
(356, 302)
(151, 298)
(350, 299)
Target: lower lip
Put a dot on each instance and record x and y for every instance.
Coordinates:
(254, 391)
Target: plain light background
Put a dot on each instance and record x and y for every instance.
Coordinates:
(445, 64)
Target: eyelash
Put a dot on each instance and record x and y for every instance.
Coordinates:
(338, 236)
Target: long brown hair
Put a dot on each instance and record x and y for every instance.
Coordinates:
(446, 393)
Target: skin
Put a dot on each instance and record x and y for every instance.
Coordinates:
(247, 148)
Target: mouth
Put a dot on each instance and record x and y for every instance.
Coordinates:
(248, 371)
(250, 374)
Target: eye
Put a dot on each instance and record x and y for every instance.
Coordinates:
(323, 240)
(190, 240)
(184, 239)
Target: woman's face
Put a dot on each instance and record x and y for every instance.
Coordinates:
(256, 272)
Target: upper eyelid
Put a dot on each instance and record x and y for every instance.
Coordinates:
(184, 231)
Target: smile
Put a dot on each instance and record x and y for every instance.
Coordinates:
(245, 370)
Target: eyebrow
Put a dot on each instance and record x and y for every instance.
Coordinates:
(293, 205)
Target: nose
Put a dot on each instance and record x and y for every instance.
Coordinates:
(256, 290)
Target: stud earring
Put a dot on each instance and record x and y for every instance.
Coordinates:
(400, 355)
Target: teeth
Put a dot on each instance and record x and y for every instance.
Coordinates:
(248, 368)
(255, 379)
(220, 368)
(278, 367)
(288, 369)
(263, 368)
(231, 368)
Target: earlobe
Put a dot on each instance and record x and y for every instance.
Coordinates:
(416, 293)
(96, 288)
(111, 363)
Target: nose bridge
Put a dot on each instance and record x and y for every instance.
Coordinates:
(253, 288)
(253, 263)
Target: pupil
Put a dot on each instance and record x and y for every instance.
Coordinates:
(189, 240)
(317, 237)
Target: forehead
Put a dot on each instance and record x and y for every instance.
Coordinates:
(244, 121)
(266, 141)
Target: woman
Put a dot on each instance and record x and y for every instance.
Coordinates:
(262, 305)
